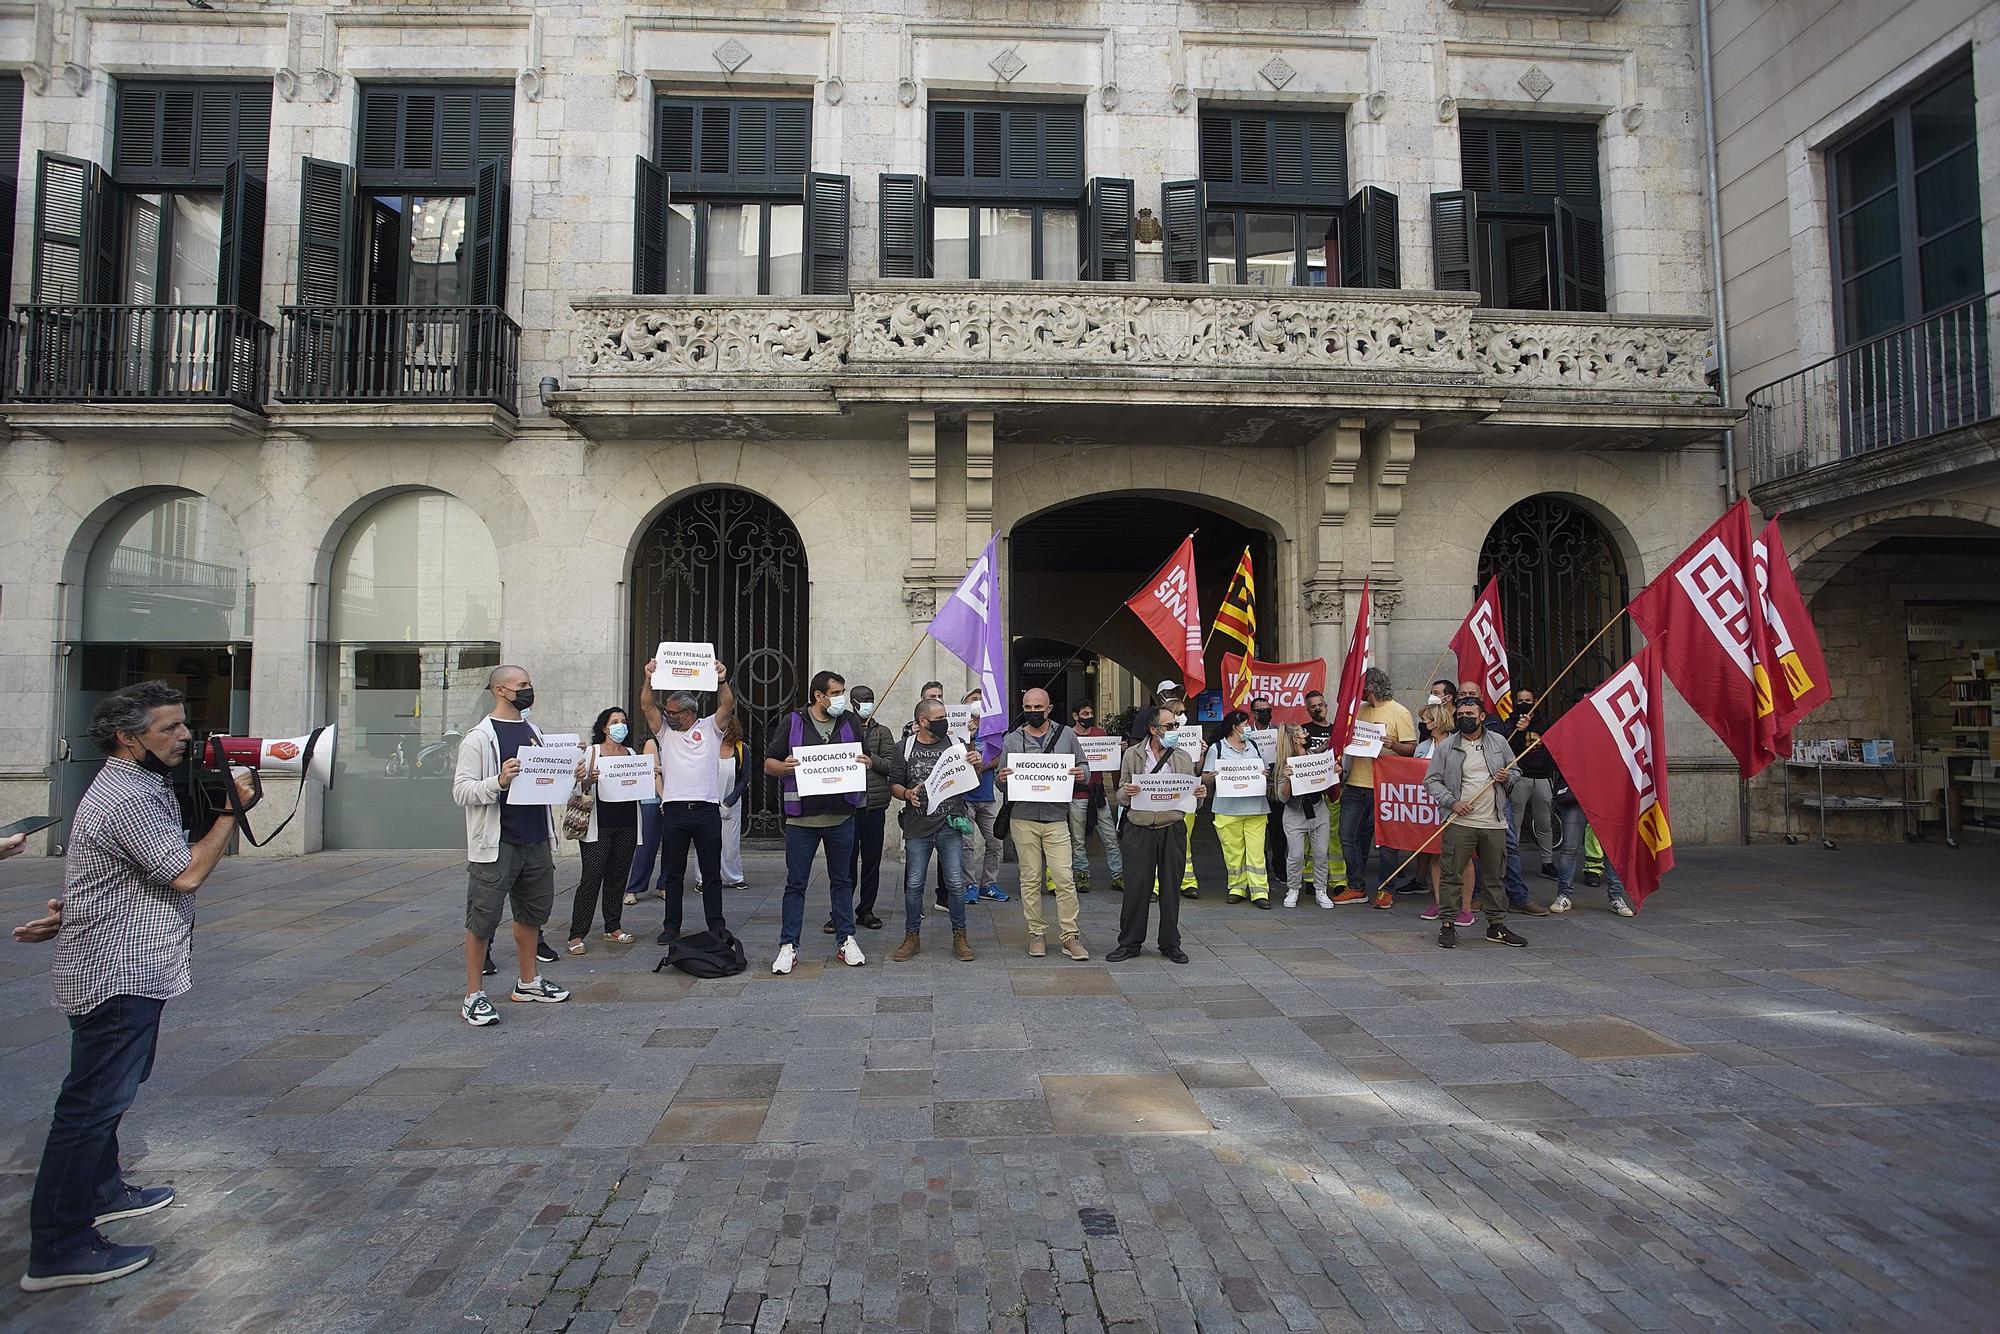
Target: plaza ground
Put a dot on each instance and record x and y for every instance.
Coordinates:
(1768, 1102)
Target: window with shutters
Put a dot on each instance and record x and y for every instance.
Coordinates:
(10, 183)
(421, 151)
(1007, 191)
(728, 212)
(1530, 236)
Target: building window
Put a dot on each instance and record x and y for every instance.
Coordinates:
(740, 248)
(1906, 240)
(433, 184)
(1526, 232)
(1267, 249)
(1021, 243)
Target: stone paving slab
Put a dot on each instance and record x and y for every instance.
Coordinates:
(1769, 1102)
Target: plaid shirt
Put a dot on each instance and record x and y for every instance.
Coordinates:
(124, 932)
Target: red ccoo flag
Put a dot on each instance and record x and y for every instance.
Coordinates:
(1481, 646)
(1348, 701)
(1612, 750)
(1710, 630)
(1800, 684)
(1170, 606)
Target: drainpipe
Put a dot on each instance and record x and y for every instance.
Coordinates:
(1715, 248)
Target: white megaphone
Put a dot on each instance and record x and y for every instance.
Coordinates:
(310, 755)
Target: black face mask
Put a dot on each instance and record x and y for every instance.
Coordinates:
(1086, 720)
(1318, 711)
(1466, 726)
(926, 732)
(153, 763)
(524, 698)
(1263, 717)
(1034, 717)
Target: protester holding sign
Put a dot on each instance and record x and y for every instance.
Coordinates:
(1307, 820)
(1101, 754)
(983, 848)
(690, 792)
(815, 821)
(1398, 732)
(1240, 808)
(1040, 828)
(930, 771)
(1155, 841)
(608, 839)
(1435, 721)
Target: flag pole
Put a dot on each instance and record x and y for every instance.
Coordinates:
(906, 664)
(1106, 621)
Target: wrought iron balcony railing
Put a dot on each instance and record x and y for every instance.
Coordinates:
(142, 354)
(1909, 384)
(396, 354)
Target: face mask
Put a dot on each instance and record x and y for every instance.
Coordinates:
(1466, 726)
(524, 698)
(836, 705)
(1263, 717)
(1317, 711)
(619, 731)
(1180, 720)
(153, 763)
(1086, 720)
(929, 731)
(1524, 706)
(866, 708)
(1035, 717)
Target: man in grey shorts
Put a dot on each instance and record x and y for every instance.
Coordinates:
(509, 847)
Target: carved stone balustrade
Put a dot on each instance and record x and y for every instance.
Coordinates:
(1619, 380)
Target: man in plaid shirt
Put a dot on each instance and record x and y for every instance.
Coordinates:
(124, 929)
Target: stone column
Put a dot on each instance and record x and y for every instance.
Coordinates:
(978, 482)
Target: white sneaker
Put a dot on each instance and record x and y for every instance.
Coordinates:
(787, 956)
(1623, 907)
(1322, 898)
(850, 953)
(1562, 904)
(1291, 898)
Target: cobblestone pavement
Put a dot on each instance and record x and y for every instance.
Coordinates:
(1766, 1103)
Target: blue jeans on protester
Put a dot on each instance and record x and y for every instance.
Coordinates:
(647, 853)
(110, 1055)
(950, 847)
(802, 843)
(1357, 834)
(1574, 822)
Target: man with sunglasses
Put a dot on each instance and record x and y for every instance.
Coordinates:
(690, 794)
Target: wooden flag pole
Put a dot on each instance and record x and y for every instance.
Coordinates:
(1106, 621)
(906, 665)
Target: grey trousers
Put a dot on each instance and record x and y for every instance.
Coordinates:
(1537, 797)
(1306, 835)
(982, 870)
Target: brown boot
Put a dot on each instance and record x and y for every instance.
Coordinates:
(961, 948)
(906, 950)
(1073, 947)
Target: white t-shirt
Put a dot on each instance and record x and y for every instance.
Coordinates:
(691, 761)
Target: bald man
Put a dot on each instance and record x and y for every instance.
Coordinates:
(1040, 829)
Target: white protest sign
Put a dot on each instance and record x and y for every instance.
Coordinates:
(1368, 738)
(951, 775)
(1187, 740)
(625, 777)
(1040, 777)
(824, 770)
(1164, 792)
(1265, 739)
(684, 667)
(1312, 773)
(1239, 777)
(963, 720)
(563, 740)
(547, 777)
(1101, 754)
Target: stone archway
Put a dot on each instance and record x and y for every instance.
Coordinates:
(1820, 556)
(1561, 578)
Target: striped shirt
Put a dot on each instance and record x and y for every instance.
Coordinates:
(124, 931)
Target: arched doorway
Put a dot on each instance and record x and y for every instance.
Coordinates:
(166, 596)
(413, 628)
(1561, 578)
(727, 566)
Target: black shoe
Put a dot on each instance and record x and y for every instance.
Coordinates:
(97, 1261)
(869, 920)
(1592, 879)
(488, 970)
(1122, 953)
(543, 952)
(133, 1202)
(1498, 934)
(1447, 936)
(1174, 953)
(1188, 892)
(666, 936)
(1549, 871)
(827, 930)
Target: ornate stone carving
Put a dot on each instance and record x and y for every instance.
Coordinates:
(1591, 356)
(626, 85)
(834, 89)
(701, 341)
(1008, 65)
(731, 55)
(920, 602)
(1322, 602)
(1535, 83)
(1385, 601)
(1278, 71)
(531, 80)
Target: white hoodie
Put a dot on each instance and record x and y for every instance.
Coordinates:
(476, 786)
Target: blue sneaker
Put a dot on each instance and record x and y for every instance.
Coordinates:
(133, 1202)
(96, 1261)
(994, 894)
(971, 896)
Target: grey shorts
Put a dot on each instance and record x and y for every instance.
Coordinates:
(525, 874)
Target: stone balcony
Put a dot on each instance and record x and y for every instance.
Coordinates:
(680, 365)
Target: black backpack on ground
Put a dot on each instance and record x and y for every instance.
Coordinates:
(705, 954)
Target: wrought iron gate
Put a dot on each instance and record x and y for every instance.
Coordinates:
(1561, 579)
(728, 566)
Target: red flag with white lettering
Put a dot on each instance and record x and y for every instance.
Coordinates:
(1612, 750)
(1170, 606)
(1405, 816)
(1481, 646)
(1348, 701)
(1285, 684)
(1792, 645)
(1710, 629)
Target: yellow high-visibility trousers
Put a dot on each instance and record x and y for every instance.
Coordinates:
(1242, 838)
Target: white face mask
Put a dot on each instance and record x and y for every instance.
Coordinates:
(866, 708)
(1180, 720)
(836, 704)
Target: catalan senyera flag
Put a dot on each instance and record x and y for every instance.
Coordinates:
(1612, 750)
(1704, 614)
(1798, 681)
(1481, 648)
(1170, 605)
(1236, 619)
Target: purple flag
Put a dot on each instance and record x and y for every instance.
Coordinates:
(968, 625)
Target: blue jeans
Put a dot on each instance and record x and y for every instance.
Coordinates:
(1516, 887)
(802, 843)
(110, 1055)
(950, 847)
(1357, 834)
(1574, 822)
(640, 879)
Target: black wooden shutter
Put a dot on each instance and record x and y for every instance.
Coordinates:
(1454, 240)
(432, 136)
(1274, 157)
(186, 133)
(10, 182)
(826, 234)
(1111, 257)
(1017, 151)
(649, 228)
(1183, 209)
(903, 215)
(1579, 256)
(242, 248)
(69, 232)
(1368, 252)
(719, 145)
(487, 237)
(326, 233)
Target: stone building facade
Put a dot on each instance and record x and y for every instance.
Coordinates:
(537, 333)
